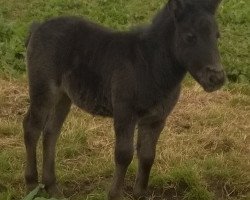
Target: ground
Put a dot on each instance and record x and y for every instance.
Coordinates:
(203, 152)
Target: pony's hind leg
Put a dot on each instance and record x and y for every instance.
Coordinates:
(33, 124)
(51, 132)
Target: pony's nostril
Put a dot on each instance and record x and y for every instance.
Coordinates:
(216, 79)
(213, 79)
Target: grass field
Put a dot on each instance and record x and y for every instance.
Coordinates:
(204, 150)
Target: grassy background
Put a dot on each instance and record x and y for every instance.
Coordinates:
(16, 16)
(203, 153)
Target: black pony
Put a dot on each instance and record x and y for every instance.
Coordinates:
(134, 77)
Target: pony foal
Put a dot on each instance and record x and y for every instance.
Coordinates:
(132, 76)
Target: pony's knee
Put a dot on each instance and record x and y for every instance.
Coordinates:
(123, 155)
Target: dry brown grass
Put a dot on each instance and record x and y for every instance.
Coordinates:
(207, 135)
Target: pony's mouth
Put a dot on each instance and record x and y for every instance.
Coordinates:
(210, 80)
(211, 88)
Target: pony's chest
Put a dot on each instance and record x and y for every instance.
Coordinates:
(162, 108)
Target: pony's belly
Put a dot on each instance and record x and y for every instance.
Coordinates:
(95, 109)
(88, 97)
(93, 105)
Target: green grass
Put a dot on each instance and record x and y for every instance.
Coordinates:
(16, 16)
(203, 153)
(234, 21)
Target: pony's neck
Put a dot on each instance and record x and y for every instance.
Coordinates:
(159, 50)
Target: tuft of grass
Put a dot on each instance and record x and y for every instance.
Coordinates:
(184, 181)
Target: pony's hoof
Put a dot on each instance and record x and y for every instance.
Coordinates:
(139, 195)
(30, 187)
(54, 191)
(114, 196)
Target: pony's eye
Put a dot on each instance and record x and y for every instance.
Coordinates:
(190, 38)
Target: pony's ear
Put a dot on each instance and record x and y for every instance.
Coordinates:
(213, 5)
(176, 7)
